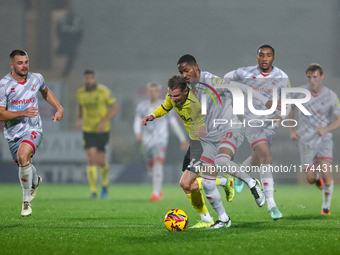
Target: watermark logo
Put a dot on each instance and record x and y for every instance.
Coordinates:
(204, 96)
(238, 99)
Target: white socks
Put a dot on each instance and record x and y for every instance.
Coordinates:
(247, 163)
(327, 191)
(214, 196)
(223, 181)
(157, 178)
(34, 176)
(25, 177)
(226, 165)
(206, 217)
(268, 184)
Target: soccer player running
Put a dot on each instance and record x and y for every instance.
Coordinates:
(154, 137)
(96, 109)
(314, 133)
(262, 77)
(23, 126)
(182, 99)
(220, 141)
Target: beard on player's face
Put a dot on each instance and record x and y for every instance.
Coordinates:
(20, 73)
(266, 69)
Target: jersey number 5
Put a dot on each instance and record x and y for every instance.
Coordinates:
(33, 135)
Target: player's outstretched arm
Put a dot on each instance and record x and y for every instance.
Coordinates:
(52, 100)
(9, 115)
(159, 112)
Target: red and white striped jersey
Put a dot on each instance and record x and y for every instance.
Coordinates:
(322, 107)
(17, 96)
(263, 83)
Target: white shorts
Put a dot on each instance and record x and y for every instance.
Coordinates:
(32, 138)
(257, 135)
(313, 152)
(215, 140)
(152, 153)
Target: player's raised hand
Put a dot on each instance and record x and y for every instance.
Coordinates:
(294, 135)
(58, 115)
(147, 118)
(30, 112)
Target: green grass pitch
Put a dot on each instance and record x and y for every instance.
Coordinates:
(65, 221)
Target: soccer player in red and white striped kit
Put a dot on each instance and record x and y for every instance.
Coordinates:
(22, 122)
(314, 133)
(262, 77)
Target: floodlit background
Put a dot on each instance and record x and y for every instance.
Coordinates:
(130, 43)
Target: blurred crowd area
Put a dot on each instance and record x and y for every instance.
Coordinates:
(130, 43)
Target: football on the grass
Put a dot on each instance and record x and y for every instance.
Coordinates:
(176, 220)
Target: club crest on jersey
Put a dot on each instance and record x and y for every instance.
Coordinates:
(33, 87)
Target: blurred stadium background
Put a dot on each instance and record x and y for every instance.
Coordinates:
(130, 43)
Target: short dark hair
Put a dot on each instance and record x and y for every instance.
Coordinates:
(177, 82)
(314, 67)
(88, 71)
(17, 52)
(265, 46)
(187, 58)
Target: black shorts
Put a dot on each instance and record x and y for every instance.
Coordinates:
(95, 140)
(192, 158)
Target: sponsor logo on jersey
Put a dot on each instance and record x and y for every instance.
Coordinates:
(266, 90)
(19, 105)
(185, 119)
(12, 90)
